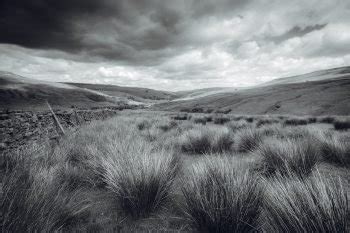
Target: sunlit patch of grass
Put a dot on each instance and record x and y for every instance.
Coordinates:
(313, 204)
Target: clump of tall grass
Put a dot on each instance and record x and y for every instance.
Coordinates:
(33, 201)
(326, 119)
(311, 120)
(209, 139)
(275, 130)
(288, 156)
(223, 111)
(249, 119)
(220, 196)
(139, 179)
(295, 121)
(181, 117)
(221, 120)
(166, 126)
(341, 124)
(209, 118)
(200, 120)
(237, 125)
(137, 175)
(296, 132)
(335, 148)
(144, 124)
(313, 204)
(248, 139)
(266, 121)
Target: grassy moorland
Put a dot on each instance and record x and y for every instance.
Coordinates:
(174, 172)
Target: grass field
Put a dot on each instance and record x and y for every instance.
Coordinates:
(178, 172)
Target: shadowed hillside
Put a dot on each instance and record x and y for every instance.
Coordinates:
(329, 95)
(17, 92)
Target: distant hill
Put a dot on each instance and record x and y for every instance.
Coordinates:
(17, 92)
(318, 93)
(198, 93)
(313, 76)
(136, 93)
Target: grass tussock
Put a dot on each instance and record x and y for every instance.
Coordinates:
(181, 117)
(335, 148)
(138, 175)
(266, 121)
(200, 120)
(202, 140)
(249, 119)
(140, 181)
(248, 139)
(221, 198)
(237, 125)
(33, 200)
(341, 124)
(314, 204)
(295, 121)
(144, 124)
(221, 120)
(288, 156)
(326, 119)
(166, 126)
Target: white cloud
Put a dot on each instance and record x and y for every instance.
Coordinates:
(248, 49)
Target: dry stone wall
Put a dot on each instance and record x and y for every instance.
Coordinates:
(20, 127)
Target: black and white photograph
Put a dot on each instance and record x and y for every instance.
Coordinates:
(204, 116)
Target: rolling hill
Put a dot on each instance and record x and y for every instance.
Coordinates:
(324, 92)
(135, 93)
(313, 76)
(19, 93)
(198, 93)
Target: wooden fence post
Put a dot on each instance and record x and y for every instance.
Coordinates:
(59, 127)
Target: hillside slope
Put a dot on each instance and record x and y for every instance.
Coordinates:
(19, 93)
(323, 97)
(199, 93)
(136, 93)
(313, 76)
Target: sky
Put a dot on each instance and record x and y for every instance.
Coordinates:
(172, 44)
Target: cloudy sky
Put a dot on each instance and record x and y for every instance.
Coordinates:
(172, 44)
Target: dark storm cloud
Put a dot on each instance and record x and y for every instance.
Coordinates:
(43, 23)
(124, 30)
(297, 31)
